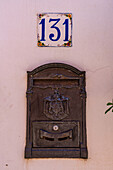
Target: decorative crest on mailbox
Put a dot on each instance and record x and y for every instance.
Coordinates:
(56, 106)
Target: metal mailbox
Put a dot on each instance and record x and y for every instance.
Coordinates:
(56, 112)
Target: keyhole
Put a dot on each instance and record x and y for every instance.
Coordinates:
(55, 127)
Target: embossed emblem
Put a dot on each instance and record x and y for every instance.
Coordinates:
(56, 106)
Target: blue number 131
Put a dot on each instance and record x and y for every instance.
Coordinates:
(66, 23)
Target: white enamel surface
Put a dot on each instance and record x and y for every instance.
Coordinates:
(92, 51)
(48, 30)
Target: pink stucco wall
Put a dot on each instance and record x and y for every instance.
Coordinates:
(92, 52)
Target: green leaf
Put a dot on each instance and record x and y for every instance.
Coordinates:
(108, 109)
(109, 103)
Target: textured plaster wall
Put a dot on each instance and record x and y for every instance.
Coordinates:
(92, 52)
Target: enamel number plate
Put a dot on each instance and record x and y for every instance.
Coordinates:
(55, 30)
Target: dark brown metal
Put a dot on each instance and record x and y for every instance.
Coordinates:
(56, 106)
(56, 112)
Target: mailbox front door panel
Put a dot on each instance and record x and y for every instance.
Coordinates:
(56, 134)
(56, 112)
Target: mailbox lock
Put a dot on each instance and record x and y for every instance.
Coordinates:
(55, 127)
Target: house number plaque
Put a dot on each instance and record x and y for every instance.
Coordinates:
(55, 30)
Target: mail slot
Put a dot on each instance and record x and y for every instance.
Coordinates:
(56, 134)
(56, 112)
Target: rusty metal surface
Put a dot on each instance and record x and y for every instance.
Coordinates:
(56, 112)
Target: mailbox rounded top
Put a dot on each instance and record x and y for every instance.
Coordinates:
(55, 65)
